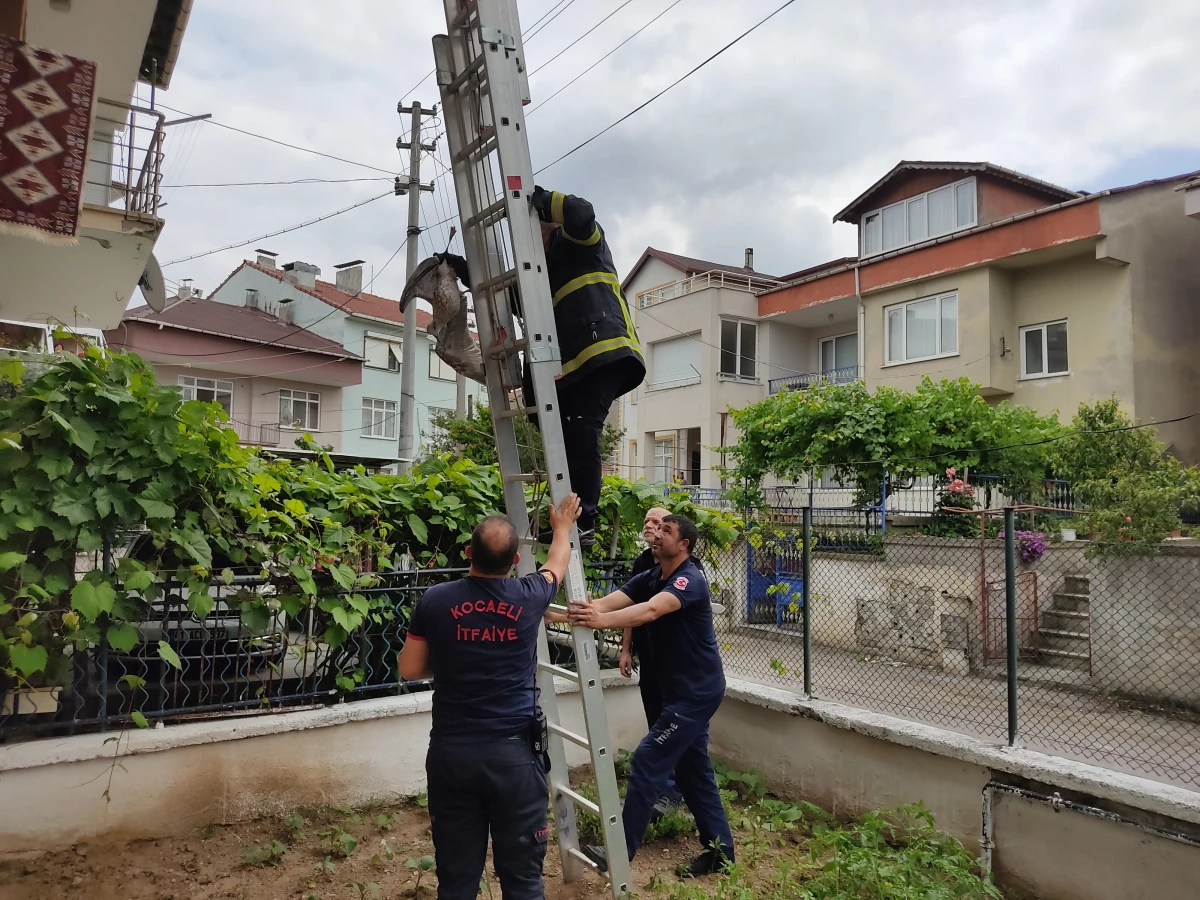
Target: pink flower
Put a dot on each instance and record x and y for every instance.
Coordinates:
(950, 473)
(1128, 518)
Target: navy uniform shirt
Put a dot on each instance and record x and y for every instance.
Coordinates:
(482, 637)
(639, 643)
(683, 644)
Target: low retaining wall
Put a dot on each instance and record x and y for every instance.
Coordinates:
(850, 761)
(166, 781)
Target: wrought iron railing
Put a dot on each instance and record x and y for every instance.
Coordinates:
(731, 280)
(844, 375)
(256, 434)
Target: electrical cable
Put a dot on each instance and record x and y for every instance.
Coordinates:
(580, 38)
(603, 58)
(264, 237)
(263, 137)
(673, 84)
(535, 31)
(260, 183)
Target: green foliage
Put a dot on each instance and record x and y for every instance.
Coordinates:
(858, 434)
(265, 855)
(339, 842)
(1131, 490)
(422, 866)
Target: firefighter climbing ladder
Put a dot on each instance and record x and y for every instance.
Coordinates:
(484, 86)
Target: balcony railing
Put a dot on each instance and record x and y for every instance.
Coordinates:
(125, 155)
(730, 280)
(257, 434)
(803, 382)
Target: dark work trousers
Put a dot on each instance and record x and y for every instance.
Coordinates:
(652, 703)
(482, 787)
(583, 406)
(677, 743)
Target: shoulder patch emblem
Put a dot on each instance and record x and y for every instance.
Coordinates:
(680, 583)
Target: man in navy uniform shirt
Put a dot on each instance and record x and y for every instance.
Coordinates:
(477, 638)
(673, 599)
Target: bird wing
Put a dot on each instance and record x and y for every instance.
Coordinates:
(421, 283)
(457, 346)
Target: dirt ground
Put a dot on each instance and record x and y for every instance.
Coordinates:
(210, 864)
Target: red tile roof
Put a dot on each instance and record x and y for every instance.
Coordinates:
(363, 304)
(238, 322)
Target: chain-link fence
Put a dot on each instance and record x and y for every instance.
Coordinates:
(1088, 655)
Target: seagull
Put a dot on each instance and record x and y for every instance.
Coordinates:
(436, 280)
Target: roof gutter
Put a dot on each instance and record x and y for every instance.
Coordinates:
(944, 239)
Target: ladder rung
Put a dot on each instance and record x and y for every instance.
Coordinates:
(507, 349)
(481, 146)
(557, 607)
(509, 277)
(524, 476)
(514, 412)
(488, 215)
(569, 735)
(580, 800)
(559, 672)
(579, 855)
(467, 11)
(473, 68)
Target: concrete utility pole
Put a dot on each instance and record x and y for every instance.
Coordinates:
(408, 362)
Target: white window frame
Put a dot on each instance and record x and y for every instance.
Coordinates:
(633, 459)
(442, 365)
(870, 239)
(436, 431)
(395, 346)
(694, 377)
(384, 414)
(190, 384)
(887, 343)
(1042, 326)
(738, 355)
(832, 339)
(306, 397)
(668, 441)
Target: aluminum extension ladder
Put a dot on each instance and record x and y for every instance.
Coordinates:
(484, 86)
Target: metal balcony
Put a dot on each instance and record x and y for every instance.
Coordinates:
(124, 163)
(803, 382)
(716, 279)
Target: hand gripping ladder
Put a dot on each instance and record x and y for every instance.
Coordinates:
(484, 86)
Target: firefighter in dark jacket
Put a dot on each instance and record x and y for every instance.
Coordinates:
(601, 357)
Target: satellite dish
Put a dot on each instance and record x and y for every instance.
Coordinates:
(153, 288)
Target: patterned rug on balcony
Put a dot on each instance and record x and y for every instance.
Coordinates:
(46, 105)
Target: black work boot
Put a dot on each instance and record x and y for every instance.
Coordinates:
(598, 855)
(706, 863)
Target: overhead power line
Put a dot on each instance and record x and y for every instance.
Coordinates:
(580, 38)
(603, 58)
(264, 237)
(263, 137)
(534, 30)
(673, 84)
(223, 184)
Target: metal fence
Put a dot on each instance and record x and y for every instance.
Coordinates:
(246, 655)
(1045, 645)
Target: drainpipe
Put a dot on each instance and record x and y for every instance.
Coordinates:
(987, 843)
(862, 322)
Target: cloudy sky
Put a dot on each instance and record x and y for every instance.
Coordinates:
(758, 149)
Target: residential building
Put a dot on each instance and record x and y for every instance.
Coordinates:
(1044, 296)
(705, 351)
(88, 283)
(367, 326)
(276, 381)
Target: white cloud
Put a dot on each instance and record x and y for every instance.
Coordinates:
(758, 149)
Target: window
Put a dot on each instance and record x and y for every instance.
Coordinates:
(922, 329)
(207, 390)
(439, 369)
(1044, 350)
(299, 410)
(634, 462)
(438, 414)
(379, 418)
(918, 218)
(739, 349)
(839, 357)
(675, 362)
(664, 459)
(382, 352)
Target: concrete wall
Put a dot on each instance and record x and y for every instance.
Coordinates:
(849, 761)
(1148, 229)
(171, 780)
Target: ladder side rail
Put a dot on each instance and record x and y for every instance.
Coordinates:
(545, 367)
(509, 455)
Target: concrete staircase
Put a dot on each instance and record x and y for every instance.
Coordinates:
(1063, 638)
